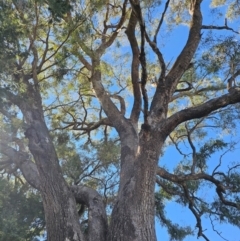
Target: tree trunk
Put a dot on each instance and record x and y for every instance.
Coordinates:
(133, 216)
(60, 211)
(58, 201)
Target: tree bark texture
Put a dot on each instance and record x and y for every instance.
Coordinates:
(134, 212)
(59, 203)
(58, 200)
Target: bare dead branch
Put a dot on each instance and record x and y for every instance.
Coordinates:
(225, 27)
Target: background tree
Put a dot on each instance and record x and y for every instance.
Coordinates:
(21, 212)
(90, 97)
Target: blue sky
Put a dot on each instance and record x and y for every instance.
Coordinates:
(183, 216)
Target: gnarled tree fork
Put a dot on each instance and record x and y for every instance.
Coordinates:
(133, 214)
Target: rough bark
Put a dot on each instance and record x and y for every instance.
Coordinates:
(59, 204)
(58, 201)
(134, 211)
(97, 218)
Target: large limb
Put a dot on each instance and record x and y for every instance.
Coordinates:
(201, 110)
(58, 201)
(20, 159)
(126, 129)
(97, 218)
(115, 116)
(136, 10)
(130, 32)
(167, 86)
(161, 172)
(185, 57)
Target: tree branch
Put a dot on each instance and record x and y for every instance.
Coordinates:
(167, 85)
(130, 32)
(114, 115)
(201, 110)
(195, 213)
(220, 189)
(136, 8)
(185, 57)
(225, 27)
(107, 43)
(153, 44)
(184, 89)
(89, 126)
(161, 21)
(16, 100)
(23, 161)
(97, 218)
(122, 103)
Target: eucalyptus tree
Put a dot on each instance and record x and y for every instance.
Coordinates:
(102, 74)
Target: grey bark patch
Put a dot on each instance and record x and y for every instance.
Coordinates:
(126, 151)
(130, 229)
(70, 234)
(123, 229)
